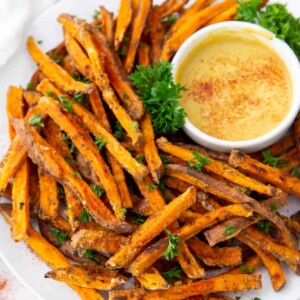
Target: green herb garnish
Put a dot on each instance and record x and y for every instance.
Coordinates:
(275, 17)
(250, 270)
(60, 236)
(172, 250)
(90, 254)
(273, 207)
(30, 87)
(123, 212)
(68, 160)
(79, 97)
(174, 273)
(134, 126)
(160, 95)
(67, 104)
(229, 230)
(138, 220)
(96, 14)
(275, 162)
(99, 142)
(56, 58)
(140, 159)
(97, 190)
(164, 158)
(118, 130)
(85, 217)
(199, 161)
(151, 187)
(295, 172)
(77, 174)
(36, 120)
(264, 226)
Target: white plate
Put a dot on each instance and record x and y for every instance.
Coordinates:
(22, 261)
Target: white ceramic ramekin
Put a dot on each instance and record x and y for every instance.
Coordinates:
(288, 57)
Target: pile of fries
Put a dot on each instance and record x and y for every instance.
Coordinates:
(122, 202)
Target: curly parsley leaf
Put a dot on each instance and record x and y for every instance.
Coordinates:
(36, 120)
(174, 273)
(90, 254)
(172, 250)
(60, 236)
(98, 191)
(85, 217)
(264, 226)
(229, 230)
(199, 161)
(160, 95)
(275, 162)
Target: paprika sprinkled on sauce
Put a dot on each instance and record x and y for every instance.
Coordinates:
(237, 88)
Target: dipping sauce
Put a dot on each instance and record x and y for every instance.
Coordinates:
(237, 88)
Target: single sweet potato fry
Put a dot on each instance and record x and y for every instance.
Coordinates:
(14, 107)
(223, 283)
(217, 256)
(20, 229)
(219, 168)
(108, 28)
(138, 25)
(88, 276)
(123, 21)
(78, 56)
(143, 53)
(153, 160)
(152, 280)
(153, 226)
(188, 262)
(54, 164)
(56, 73)
(270, 262)
(157, 34)
(100, 240)
(264, 172)
(49, 199)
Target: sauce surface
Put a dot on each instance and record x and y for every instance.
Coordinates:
(237, 88)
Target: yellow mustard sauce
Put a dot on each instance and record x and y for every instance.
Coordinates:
(237, 88)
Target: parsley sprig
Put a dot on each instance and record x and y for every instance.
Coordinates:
(138, 220)
(99, 142)
(174, 273)
(172, 250)
(98, 191)
(199, 161)
(85, 217)
(60, 236)
(160, 95)
(229, 230)
(264, 226)
(90, 254)
(36, 120)
(275, 17)
(273, 161)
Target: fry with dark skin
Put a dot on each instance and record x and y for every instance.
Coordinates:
(153, 160)
(225, 256)
(55, 165)
(123, 21)
(264, 172)
(153, 226)
(219, 168)
(56, 73)
(223, 283)
(143, 53)
(88, 276)
(138, 25)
